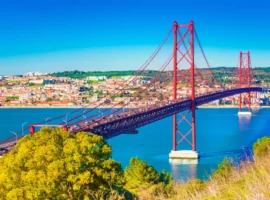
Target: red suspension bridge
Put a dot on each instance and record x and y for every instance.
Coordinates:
(184, 74)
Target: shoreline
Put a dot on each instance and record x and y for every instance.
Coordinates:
(252, 107)
(64, 107)
(78, 107)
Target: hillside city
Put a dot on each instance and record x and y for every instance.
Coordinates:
(36, 89)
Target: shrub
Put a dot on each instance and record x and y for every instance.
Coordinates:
(261, 147)
(141, 177)
(223, 171)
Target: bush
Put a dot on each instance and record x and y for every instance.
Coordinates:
(141, 178)
(224, 170)
(261, 147)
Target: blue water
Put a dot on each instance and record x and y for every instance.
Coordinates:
(217, 130)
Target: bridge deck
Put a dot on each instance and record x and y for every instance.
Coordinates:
(115, 124)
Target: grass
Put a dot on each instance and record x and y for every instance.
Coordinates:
(249, 181)
(36, 85)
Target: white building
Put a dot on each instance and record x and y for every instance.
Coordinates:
(35, 74)
(96, 78)
(36, 81)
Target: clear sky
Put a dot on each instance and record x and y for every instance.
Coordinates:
(57, 35)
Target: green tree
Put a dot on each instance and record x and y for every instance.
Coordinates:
(92, 81)
(140, 176)
(85, 100)
(12, 98)
(99, 93)
(55, 164)
(91, 93)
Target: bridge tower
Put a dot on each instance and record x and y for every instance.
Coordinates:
(188, 56)
(244, 81)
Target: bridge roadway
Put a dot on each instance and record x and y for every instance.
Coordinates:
(118, 123)
(6, 147)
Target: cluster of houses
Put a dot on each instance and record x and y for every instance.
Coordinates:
(42, 90)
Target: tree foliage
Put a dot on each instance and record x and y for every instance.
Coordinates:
(140, 176)
(12, 98)
(109, 74)
(55, 164)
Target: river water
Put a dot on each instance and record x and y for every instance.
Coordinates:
(218, 130)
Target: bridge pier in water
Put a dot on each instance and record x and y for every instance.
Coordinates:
(244, 78)
(175, 153)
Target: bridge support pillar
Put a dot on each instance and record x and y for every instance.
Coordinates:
(32, 129)
(244, 78)
(184, 154)
(190, 136)
(65, 128)
(247, 113)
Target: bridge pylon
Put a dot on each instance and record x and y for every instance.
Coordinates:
(187, 55)
(244, 70)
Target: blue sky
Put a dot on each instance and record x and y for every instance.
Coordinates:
(57, 35)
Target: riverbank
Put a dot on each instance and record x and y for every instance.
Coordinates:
(109, 106)
(234, 106)
(64, 107)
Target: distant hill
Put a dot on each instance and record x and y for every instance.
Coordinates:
(265, 69)
(262, 74)
(82, 74)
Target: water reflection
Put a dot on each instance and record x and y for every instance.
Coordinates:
(243, 122)
(181, 167)
(255, 110)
